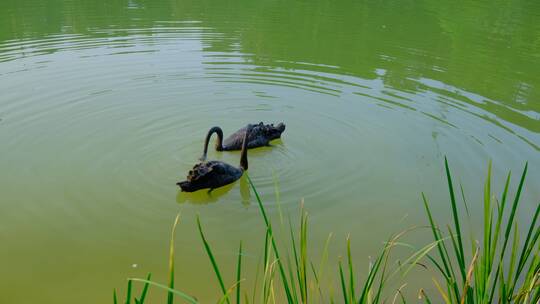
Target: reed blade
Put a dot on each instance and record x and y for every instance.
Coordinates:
(238, 273)
(459, 250)
(212, 260)
(284, 280)
(145, 290)
(343, 284)
(170, 294)
(183, 295)
(128, 293)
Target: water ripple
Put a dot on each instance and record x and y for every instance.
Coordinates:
(140, 125)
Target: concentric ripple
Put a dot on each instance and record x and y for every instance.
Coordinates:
(146, 121)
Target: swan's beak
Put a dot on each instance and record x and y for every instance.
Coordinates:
(185, 186)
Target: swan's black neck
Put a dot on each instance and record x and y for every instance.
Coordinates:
(243, 157)
(219, 142)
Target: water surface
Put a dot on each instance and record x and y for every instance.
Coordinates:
(104, 106)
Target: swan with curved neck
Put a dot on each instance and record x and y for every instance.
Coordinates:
(214, 174)
(259, 136)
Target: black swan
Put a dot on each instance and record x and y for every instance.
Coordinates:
(214, 174)
(259, 136)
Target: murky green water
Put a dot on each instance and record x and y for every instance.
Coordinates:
(104, 106)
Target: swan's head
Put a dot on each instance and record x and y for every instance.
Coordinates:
(186, 186)
(274, 132)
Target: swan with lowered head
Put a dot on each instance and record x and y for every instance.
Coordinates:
(214, 174)
(259, 136)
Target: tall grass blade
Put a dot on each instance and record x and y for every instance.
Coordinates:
(459, 252)
(526, 250)
(303, 256)
(226, 296)
(513, 257)
(128, 295)
(145, 290)
(274, 246)
(343, 284)
(508, 229)
(448, 272)
(317, 282)
(264, 260)
(500, 214)
(351, 271)
(170, 294)
(444, 295)
(212, 260)
(398, 292)
(423, 295)
(366, 289)
(296, 260)
(238, 273)
(485, 268)
(324, 257)
(469, 276)
(416, 257)
(184, 296)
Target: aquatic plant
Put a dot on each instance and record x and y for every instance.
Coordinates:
(501, 269)
(286, 271)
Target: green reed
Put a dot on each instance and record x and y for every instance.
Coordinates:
(502, 269)
(498, 269)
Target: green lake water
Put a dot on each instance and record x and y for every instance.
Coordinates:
(104, 105)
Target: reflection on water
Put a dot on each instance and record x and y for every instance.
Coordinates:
(105, 105)
(206, 196)
(451, 52)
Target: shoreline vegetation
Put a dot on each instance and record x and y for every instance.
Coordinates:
(493, 265)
